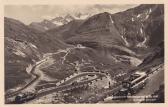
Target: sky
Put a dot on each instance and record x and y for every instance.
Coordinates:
(37, 13)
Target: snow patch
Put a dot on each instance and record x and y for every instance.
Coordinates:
(29, 68)
(132, 19)
(138, 15)
(150, 10)
(33, 45)
(147, 17)
(126, 43)
(68, 20)
(84, 16)
(58, 23)
(141, 30)
(19, 53)
(111, 19)
(135, 61)
(142, 44)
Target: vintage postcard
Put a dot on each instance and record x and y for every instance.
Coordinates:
(83, 53)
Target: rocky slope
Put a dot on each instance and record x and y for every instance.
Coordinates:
(24, 46)
(43, 26)
(128, 37)
(133, 32)
(155, 57)
(66, 31)
(139, 27)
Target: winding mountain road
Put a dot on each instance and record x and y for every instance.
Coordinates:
(35, 71)
(65, 85)
(27, 85)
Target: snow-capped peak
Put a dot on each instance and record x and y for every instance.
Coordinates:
(61, 20)
(58, 23)
(81, 16)
(69, 18)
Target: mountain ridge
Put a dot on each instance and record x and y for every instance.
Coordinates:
(113, 43)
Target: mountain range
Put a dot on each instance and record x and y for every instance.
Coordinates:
(57, 21)
(113, 43)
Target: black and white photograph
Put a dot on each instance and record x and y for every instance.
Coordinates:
(84, 54)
